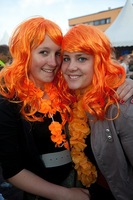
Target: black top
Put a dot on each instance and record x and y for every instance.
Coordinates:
(22, 143)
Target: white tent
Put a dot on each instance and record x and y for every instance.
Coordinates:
(5, 38)
(120, 32)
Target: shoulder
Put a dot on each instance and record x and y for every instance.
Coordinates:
(4, 102)
(126, 109)
(123, 124)
(8, 108)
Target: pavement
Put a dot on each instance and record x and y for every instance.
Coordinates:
(8, 191)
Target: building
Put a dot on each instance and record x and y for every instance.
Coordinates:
(101, 19)
(116, 23)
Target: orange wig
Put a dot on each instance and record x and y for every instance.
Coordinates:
(108, 75)
(15, 84)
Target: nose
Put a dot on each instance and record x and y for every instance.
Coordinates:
(72, 65)
(53, 60)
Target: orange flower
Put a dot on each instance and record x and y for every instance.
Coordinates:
(79, 130)
(47, 107)
(45, 104)
(56, 131)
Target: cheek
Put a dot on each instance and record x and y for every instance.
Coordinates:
(89, 76)
(38, 63)
(35, 64)
(63, 68)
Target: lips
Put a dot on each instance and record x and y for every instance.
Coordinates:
(48, 70)
(74, 76)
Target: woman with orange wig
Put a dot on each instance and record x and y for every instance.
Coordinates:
(34, 151)
(101, 136)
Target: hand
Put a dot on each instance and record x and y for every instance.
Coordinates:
(125, 91)
(78, 194)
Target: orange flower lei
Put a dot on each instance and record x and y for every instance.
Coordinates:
(79, 130)
(48, 107)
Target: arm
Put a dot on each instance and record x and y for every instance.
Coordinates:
(124, 125)
(29, 182)
(13, 163)
(125, 91)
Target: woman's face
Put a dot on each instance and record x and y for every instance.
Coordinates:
(77, 68)
(45, 62)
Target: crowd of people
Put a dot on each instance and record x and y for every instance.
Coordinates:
(126, 60)
(63, 133)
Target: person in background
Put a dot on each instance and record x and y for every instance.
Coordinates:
(125, 62)
(101, 136)
(7, 189)
(34, 149)
(5, 56)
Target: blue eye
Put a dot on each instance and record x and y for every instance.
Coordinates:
(44, 52)
(82, 59)
(66, 59)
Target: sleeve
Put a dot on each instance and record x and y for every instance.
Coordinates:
(10, 139)
(124, 126)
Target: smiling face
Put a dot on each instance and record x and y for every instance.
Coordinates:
(45, 62)
(77, 68)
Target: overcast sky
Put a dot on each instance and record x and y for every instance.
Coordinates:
(12, 12)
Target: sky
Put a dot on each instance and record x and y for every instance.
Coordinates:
(13, 12)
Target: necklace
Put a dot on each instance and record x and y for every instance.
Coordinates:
(48, 108)
(79, 130)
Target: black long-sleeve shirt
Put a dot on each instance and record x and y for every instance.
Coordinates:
(22, 143)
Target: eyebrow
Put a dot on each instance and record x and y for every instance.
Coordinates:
(77, 54)
(47, 48)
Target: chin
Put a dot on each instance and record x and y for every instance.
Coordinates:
(72, 87)
(48, 80)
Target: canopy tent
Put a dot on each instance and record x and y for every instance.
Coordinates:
(5, 38)
(120, 32)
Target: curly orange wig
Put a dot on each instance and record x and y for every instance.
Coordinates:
(14, 81)
(108, 75)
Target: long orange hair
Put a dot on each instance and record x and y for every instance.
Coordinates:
(108, 75)
(15, 84)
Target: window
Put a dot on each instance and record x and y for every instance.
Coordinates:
(99, 22)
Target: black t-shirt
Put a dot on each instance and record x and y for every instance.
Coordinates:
(22, 143)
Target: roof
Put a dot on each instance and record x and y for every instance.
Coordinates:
(120, 32)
